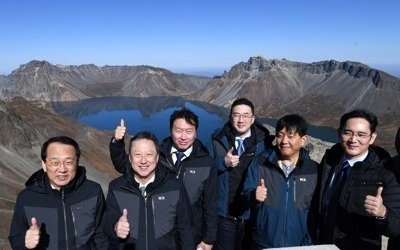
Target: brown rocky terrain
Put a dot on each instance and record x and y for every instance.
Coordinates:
(320, 92)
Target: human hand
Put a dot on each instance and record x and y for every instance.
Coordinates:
(120, 131)
(32, 235)
(373, 205)
(122, 226)
(231, 160)
(261, 192)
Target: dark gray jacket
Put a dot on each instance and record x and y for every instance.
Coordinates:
(69, 219)
(160, 220)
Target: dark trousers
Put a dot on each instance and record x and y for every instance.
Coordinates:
(230, 234)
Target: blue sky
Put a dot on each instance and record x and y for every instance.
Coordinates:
(186, 36)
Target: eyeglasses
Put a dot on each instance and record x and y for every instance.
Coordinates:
(359, 135)
(67, 164)
(237, 116)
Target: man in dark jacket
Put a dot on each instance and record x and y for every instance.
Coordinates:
(394, 242)
(359, 196)
(280, 186)
(59, 208)
(195, 169)
(147, 208)
(233, 148)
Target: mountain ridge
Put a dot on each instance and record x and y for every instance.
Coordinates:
(319, 91)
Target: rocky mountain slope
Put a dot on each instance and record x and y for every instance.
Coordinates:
(319, 91)
(40, 80)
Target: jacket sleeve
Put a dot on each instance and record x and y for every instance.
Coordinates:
(250, 184)
(210, 203)
(19, 226)
(112, 214)
(184, 221)
(100, 239)
(218, 152)
(118, 155)
(390, 226)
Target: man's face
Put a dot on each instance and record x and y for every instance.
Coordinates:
(61, 164)
(289, 144)
(241, 119)
(183, 134)
(143, 157)
(356, 137)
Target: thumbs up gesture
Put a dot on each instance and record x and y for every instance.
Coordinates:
(373, 205)
(231, 160)
(120, 131)
(122, 226)
(32, 235)
(261, 192)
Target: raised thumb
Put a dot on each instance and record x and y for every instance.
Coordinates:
(379, 192)
(122, 124)
(262, 183)
(124, 214)
(34, 223)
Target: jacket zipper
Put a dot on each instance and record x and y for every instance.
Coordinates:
(286, 208)
(145, 222)
(65, 219)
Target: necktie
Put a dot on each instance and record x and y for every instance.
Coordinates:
(143, 190)
(179, 156)
(240, 147)
(332, 204)
(338, 182)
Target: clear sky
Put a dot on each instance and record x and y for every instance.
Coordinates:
(186, 36)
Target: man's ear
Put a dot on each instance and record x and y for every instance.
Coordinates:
(44, 166)
(373, 137)
(304, 139)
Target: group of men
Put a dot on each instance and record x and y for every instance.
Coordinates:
(246, 190)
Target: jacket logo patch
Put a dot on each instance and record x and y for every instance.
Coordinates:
(192, 171)
(80, 207)
(303, 179)
(161, 198)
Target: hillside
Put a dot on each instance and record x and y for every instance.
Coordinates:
(319, 91)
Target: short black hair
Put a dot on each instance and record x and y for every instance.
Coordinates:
(242, 101)
(144, 135)
(63, 140)
(359, 113)
(186, 114)
(294, 123)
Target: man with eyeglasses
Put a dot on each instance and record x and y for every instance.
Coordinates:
(233, 147)
(359, 195)
(394, 242)
(59, 208)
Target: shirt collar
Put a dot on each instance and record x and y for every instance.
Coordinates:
(248, 134)
(187, 152)
(355, 159)
(147, 183)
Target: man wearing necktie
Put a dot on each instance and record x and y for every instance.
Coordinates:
(189, 161)
(359, 195)
(233, 147)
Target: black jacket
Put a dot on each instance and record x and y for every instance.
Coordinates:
(160, 220)
(199, 176)
(353, 228)
(69, 219)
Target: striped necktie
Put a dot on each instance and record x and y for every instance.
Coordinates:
(179, 156)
